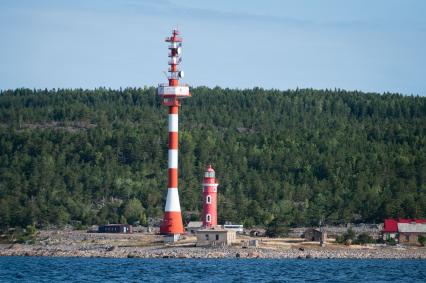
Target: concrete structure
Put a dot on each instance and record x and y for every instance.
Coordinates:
(238, 228)
(209, 198)
(409, 232)
(194, 226)
(323, 238)
(115, 228)
(215, 237)
(253, 243)
(171, 95)
(171, 238)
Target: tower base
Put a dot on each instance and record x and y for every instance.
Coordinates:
(172, 223)
(173, 238)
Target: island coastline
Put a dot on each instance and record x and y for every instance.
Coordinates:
(148, 245)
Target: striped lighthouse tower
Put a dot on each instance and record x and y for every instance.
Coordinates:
(209, 198)
(170, 94)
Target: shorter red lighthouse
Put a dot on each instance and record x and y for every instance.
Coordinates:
(209, 198)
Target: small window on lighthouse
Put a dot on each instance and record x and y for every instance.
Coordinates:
(209, 199)
(208, 218)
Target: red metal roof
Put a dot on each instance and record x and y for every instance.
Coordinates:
(391, 225)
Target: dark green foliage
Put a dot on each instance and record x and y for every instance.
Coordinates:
(340, 239)
(422, 240)
(79, 156)
(30, 230)
(134, 212)
(347, 237)
(391, 242)
(277, 228)
(364, 238)
(20, 235)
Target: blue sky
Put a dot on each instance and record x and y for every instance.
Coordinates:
(368, 45)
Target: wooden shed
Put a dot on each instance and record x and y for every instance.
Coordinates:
(315, 235)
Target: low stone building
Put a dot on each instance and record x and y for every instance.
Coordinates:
(215, 236)
(409, 232)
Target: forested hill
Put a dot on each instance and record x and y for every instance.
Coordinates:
(93, 156)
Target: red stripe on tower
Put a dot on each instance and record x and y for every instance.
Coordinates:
(171, 94)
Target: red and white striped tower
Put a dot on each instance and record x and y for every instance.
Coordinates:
(209, 198)
(170, 94)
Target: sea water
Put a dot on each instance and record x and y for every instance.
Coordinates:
(56, 269)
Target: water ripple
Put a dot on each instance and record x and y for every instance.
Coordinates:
(44, 269)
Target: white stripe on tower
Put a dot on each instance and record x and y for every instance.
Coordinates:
(173, 123)
(173, 158)
(172, 203)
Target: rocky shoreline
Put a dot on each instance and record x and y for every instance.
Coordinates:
(81, 244)
(198, 252)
